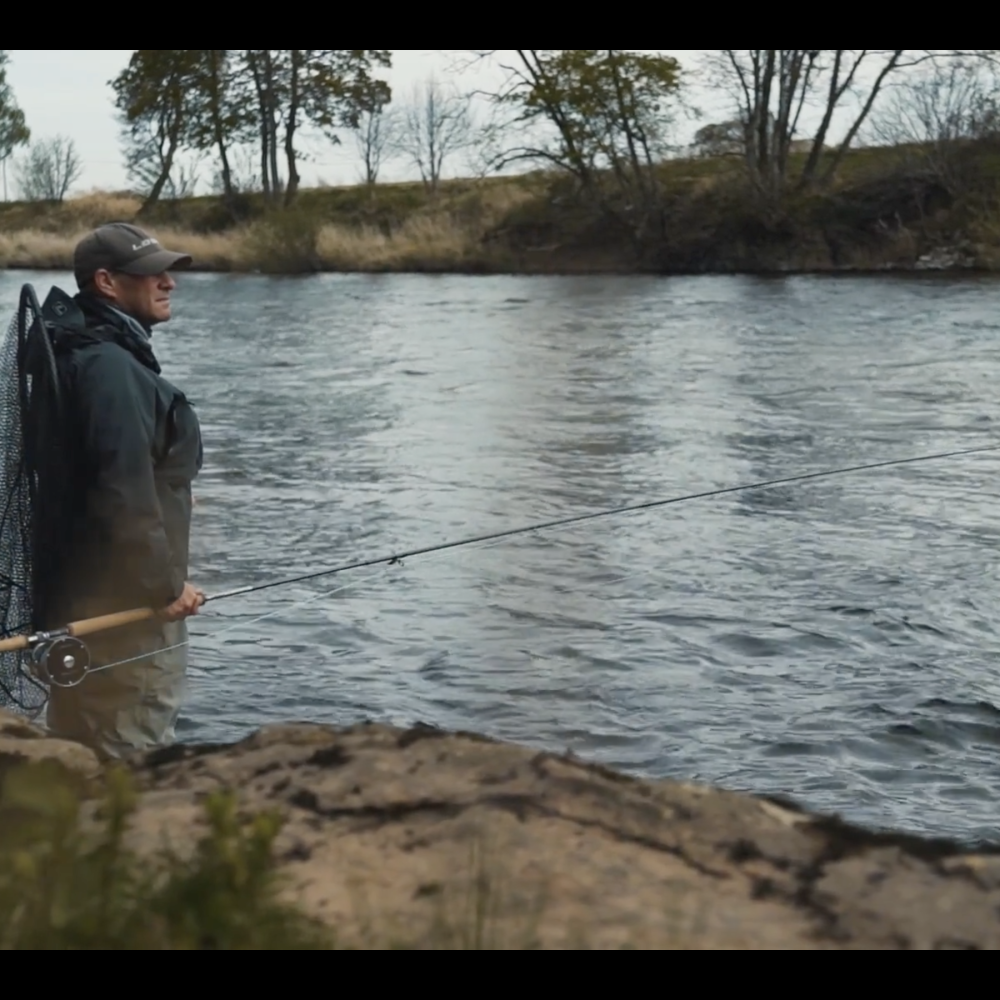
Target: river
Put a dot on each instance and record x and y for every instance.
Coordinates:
(835, 641)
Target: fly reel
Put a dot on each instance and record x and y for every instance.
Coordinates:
(62, 661)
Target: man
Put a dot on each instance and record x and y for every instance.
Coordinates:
(115, 510)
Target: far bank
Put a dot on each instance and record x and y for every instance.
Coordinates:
(888, 212)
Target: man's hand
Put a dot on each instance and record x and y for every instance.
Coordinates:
(187, 604)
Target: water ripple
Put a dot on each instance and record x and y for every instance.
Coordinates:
(835, 640)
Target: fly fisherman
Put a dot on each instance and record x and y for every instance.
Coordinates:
(113, 521)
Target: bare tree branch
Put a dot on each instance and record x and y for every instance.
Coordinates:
(436, 124)
(50, 168)
(376, 138)
(772, 87)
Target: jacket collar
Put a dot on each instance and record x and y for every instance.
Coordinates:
(126, 331)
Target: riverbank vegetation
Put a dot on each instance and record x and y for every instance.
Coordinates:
(888, 210)
(832, 160)
(68, 880)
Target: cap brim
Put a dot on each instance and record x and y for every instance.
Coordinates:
(157, 263)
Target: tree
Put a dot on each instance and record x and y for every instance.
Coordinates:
(772, 88)
(244, 172)
(154, 96)
(719, 139)
(50, 168)
(603, 115)
(217, 99)
(942, 106)
(260, 69)
(327, 89)
(601, 107)
(934, 117)
(146, 162)
(485, 150)
(375, 134)
(148, 167)
(218, 118)
(436, 124)
(174, 100)
(14, 132)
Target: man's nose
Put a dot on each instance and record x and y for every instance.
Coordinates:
(167, 282)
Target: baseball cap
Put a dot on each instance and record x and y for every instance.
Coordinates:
(119, 246)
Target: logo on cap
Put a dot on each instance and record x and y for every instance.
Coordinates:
(144, 244)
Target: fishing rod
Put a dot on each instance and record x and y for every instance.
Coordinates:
(60, 657)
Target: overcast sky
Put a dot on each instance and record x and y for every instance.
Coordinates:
(65, 91)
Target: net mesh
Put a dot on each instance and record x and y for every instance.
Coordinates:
(18, 689)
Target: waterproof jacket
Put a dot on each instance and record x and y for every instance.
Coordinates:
(113, 511)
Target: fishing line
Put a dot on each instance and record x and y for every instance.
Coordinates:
(398, 558)
(580, 518)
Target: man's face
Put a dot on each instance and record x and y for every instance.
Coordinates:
(147, 299)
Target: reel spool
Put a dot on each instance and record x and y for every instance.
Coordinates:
(60, 662)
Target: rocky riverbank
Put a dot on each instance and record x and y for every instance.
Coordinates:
(421, 838)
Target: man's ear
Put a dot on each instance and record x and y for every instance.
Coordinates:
(104, 284)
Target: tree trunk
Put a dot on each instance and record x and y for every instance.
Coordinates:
(790, 66)
(272, 153)
(265, 170)
(372, 138)
(258, 84)
(626, 116)
(161, 182)
(432, 125)
(845, 144)
(834, 94)
(292, 187)
(227, 173)
(536, 76)
(264, 82)
(764, 121)
(170, 125)
(218, 84)
(272, 123)
(291, 125)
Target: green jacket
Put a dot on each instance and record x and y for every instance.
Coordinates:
(114, 507)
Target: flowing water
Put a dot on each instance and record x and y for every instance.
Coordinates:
(836, 641)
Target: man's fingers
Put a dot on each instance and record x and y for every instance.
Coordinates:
(186, 605)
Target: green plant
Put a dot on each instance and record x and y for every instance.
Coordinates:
(67, 881)
(284, 242)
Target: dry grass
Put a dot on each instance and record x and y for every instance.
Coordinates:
(444, 234)
(34, 248)
(439, 237)
(211, 251)
(422, 242)
(90, 210)
(538, 223)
